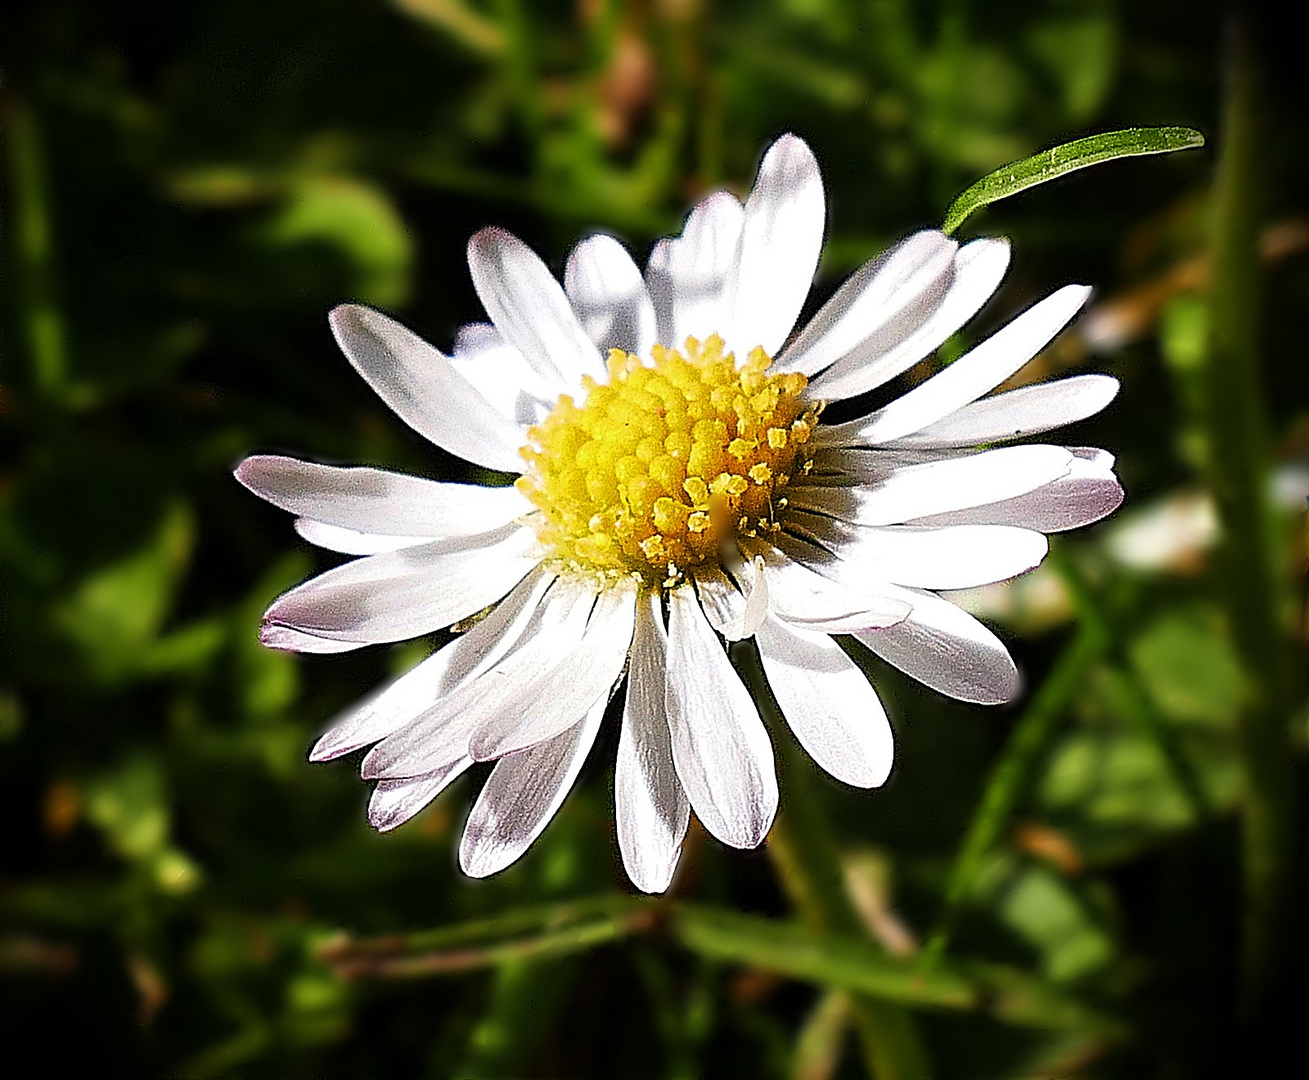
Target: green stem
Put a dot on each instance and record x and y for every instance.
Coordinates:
(33, 248)
(1237, 472)
(1011, 773)
(808, 865)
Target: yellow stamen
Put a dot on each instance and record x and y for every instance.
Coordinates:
(667, 461)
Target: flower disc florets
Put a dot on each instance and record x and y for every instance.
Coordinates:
(669, 459)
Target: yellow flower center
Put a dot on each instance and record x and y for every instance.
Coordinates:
(667, 461)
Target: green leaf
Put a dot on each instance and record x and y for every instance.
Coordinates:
(1060, 160)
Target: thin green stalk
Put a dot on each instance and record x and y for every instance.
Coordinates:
(33, 249)
(1012, 772)
(1237, 463)
(808, 865)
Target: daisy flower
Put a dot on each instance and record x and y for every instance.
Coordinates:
(678, 490)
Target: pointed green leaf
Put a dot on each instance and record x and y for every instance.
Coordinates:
(1060, 160)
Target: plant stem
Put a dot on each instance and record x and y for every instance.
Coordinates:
(1010, 776)
(1237, 466)
(808, 865)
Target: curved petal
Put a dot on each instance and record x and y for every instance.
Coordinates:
(829, 703)
(650, 807)
(502, 374)
(889, 296)
(954, 557)
(555, 701)
(801, 596)
(781, 239)
(283, 637)
(394, 802)
(1014, 414)
(494, 689)
(687, 275)
(528, 306)
(1088, 492)
(937, 487)
(976, 272)
(733, 611)
(720, 748)
(353, 542)
(522, 794)
(418, 689)
(946, 649)
(402, 594)
(376, 501)
(972, 375)
(609, 296)
(422, 387)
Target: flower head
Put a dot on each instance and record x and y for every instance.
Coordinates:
(679, 490)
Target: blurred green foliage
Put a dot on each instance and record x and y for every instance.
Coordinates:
(187, 189)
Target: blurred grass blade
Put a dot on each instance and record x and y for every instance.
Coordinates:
(1030, 736)
(840, 962)
(519, 934)
(836, 961)
(1061, 160)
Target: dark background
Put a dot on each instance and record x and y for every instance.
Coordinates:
(187, 189)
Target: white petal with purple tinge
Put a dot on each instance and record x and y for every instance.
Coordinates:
(781, 239)
(975, 373)
(421, 386)
(720, 748)
(609, 296)
(1028, 410)
(378, 501)
(687, 274)
(528, 306)
(650, 807)
(402, 594)
(828, 702)
(522, 794)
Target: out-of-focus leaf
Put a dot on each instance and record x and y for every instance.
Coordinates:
(1187, 665)
(1079, 53)
(355, 219)
(1061, 160)
(115, 614)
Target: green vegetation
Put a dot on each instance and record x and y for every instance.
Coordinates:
(1104, 880)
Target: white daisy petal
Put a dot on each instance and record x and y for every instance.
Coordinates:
(735, 612)
(954, 483)
(828, 702)
(522, 794)
(353, 542)
(528, 306)
(502, 374)
(402, 594)
(891, 294)
(803, 597)
(548, 705)
(650, 807)
(422, 387)
(394, 802)
(781, 238)
(443, 730)
(977, 270)
(720, 748)
(609, 296)
(1028, 410)
(1088, 492)
(945, 648)
(483, 644)
(972, 375)
(955, 557)
(283, 637)
(378, 501)
(686, 275)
